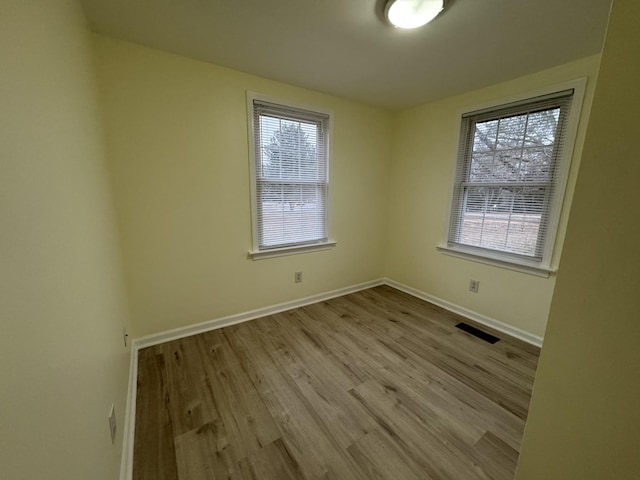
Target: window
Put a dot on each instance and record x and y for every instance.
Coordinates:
(290, 183)
(510, 176)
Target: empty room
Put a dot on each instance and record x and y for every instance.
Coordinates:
(319, 239)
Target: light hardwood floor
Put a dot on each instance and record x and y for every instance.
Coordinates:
(372, 385)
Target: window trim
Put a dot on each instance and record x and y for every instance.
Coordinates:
(256, 253)
(550, 255)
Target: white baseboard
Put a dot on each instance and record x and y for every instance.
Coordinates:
(197, 328)
(129, 426)
(126, 469)
(470, 314)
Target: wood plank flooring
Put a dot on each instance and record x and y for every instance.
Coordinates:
(372, 385)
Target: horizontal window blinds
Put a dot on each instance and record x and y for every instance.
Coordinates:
(506, 176)
(291, 175)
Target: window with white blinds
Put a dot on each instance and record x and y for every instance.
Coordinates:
(506, 194)
(289, 175)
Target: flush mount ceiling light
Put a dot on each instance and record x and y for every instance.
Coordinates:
(412, 13)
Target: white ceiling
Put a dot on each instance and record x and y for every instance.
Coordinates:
(345, 48)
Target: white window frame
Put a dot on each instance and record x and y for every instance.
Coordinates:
(257, 252)
(548, 263)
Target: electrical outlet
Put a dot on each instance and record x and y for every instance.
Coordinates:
(474, 285)
(298, 277)
(125, 336)
(112, 424)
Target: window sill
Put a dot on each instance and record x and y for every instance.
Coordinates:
(509, 264)
(281, 252)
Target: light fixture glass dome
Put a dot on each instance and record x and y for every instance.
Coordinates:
(412, 13)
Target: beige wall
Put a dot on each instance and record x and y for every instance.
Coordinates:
(62, 306)
(424, 152)
(177, 140)
(584, 420)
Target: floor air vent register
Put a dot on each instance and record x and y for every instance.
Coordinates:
(487, 337)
